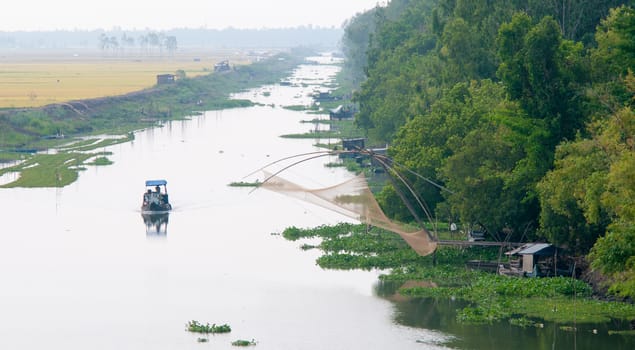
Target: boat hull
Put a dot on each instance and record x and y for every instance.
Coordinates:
(154, 208)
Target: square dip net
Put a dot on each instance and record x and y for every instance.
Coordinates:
(353, 199)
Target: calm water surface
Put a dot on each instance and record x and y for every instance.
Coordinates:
(79, 269)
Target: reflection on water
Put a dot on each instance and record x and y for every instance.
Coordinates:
(440, 314)
(156, 224)
(9, 177)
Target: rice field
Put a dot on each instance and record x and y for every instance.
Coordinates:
(37, 79)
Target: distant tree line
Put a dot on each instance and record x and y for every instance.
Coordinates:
(522, 109)
(145, 43)
(118, 39)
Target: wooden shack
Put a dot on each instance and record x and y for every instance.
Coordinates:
(323, 96)
(222, 66)
(353, 144)
(166, 79)
(534, 260)
(340, 113)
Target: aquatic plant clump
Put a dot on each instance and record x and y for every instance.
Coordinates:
(196, 327)
(241, 342)
(244, 184)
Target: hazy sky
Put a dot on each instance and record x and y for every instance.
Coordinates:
(168, 14)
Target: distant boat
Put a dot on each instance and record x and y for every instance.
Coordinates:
(156, 201)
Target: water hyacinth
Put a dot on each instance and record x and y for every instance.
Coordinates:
(196, 327)
(241, 342)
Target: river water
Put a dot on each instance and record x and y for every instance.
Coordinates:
(80, 269)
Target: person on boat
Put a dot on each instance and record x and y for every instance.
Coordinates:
(163, 198)
(146, 197)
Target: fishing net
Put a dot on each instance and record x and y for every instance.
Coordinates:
(353, 199)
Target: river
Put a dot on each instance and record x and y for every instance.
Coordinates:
(80, 269)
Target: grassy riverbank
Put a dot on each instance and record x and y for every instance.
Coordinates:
(26, 131)
(490, 297)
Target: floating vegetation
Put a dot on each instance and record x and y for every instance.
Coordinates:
(48, 170)
(331, 146)
(241, 342)
(96, 142)
(196, 327)
(314, 134)
(202, 340)
(100, 161)
(298, 108)
(244, 184)
(525, 322)
(568, 328)
(319, 121)
(630, 333)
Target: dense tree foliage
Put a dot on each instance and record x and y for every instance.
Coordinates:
(520, 112)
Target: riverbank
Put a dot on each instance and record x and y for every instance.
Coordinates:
(489, 298)
(78, 125)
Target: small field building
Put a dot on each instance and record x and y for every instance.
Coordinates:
(166, 79)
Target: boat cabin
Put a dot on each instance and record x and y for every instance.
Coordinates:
(157, 200)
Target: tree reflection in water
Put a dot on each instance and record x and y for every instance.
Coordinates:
(440, 314)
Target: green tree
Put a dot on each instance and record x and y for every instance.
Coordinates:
(493, 170)
(424, 142)
(577, 19)
(613, 57)
(481, 146)
(571, 211)
(476, 175)
(545, 73)
(614, 254)
(462, 49)
(396, 89)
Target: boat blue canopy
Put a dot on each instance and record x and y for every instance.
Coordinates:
(156, 182)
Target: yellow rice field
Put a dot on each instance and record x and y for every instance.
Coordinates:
(37, 79)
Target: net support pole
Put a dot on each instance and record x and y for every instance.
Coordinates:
(405, 200)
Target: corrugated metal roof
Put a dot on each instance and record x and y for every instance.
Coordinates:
(534, 248)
